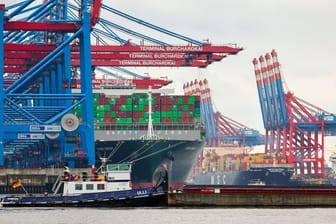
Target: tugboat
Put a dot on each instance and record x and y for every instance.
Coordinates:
(109, 186)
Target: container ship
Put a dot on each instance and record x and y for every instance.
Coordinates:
(244, 169)
(155, 132)
(159, 134)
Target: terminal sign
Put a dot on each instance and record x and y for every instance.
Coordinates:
(45, 128)
(31, 136)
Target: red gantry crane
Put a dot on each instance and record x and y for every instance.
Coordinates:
(294, 128)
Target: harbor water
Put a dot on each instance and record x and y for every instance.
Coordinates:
(167, 215)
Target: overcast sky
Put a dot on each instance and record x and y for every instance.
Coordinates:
(303, 32)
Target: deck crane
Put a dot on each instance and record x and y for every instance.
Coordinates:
(220, 130)
(294, 128)
(44, 45)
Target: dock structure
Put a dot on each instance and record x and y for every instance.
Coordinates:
(253, 196)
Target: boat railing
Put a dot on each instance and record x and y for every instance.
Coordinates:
(57, 184)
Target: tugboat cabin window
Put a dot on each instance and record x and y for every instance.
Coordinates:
(89, 187)
(100, 187)
(78, 187)
(118, 167)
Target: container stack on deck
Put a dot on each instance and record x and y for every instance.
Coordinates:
(238, 161)
(125, 112)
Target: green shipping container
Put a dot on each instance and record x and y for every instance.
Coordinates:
(99, 114)
(156, 120)
(100, 108)
(128, 120)
(125, 108)
(112, 101)
(143, 120)
(191, 100)
(129, 101)
(185, 107)
(96, 95)
(174, 107)
(180, 100)
(163, 114)
(107, 107)
(141, 107)
(141, 101)
(113, 114)
(78, 113)
(100, 120)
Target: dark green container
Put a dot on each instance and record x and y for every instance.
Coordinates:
(113, 101)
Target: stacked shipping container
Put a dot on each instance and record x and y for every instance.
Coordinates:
(131, 111)
(235, 162)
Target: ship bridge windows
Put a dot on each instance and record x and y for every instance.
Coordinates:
(100, 186)
(78, 187)
(89, 187)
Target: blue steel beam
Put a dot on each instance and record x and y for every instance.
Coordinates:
(19, 7)
(57, 63)
(260, 92)
(280, 89)
(32, 73)
(152, 26)
(111, 34)
(210, 113)
(272, 84)
(2, 96)
(132, 33)
(86, 84)
(268, 105)
(38, 15)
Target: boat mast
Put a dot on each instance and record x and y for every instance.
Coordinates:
(150, 131)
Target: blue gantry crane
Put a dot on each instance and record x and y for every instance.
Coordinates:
(36, 120)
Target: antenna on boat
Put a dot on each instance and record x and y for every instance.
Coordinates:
(103, 161)
(150, 131)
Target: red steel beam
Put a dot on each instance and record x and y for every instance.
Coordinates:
(180, 49)
(14, 70)
(95, 11)
(127, 48)
(148, 63)
(28, 47)
(42, 26)
(108, 56)
(126, 63)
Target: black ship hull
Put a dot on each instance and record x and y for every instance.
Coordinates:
(269, 175)
(151, 158)
(128, 198)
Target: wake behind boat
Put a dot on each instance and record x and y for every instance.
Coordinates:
(110, 187)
